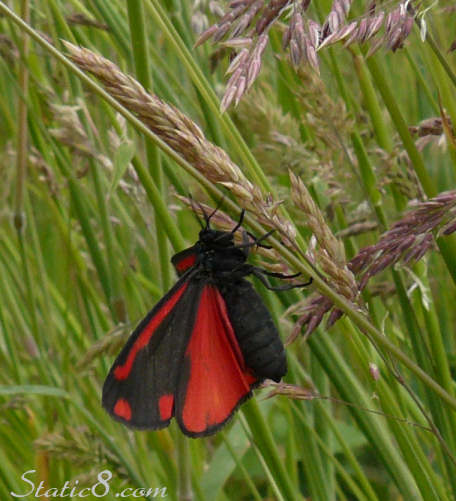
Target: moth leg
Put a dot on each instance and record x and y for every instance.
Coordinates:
(259, 273)
(278, 275)
(256, 242)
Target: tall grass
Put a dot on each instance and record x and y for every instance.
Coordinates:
(328, 148)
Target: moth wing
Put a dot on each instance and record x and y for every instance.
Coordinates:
(214, 379)
(184, 260)
(140, 388)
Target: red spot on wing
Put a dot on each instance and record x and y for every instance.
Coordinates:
(186, 263)
(123, 371)
(165, 406)
(219, 379)
(122, 409)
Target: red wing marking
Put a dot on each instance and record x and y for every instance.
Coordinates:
(185, 263)
(218, 379)
(165, 406)
(122, 371)
(123, 409)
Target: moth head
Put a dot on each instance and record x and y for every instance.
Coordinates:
(215, 238)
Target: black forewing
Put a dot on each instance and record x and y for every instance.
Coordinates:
(141, 385)
(255, 330)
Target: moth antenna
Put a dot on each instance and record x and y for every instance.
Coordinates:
(192, 203)
(217, 207)
(239, 224)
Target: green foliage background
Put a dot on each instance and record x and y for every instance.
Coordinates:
(89, 220)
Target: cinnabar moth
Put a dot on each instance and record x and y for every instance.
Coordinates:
(200, 351)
